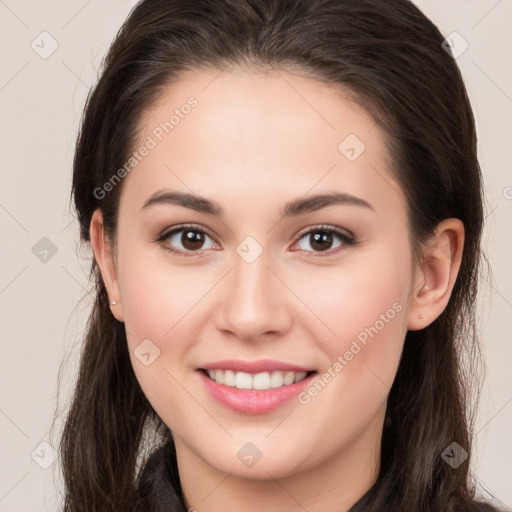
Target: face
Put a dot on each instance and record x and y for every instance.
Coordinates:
(318, 286)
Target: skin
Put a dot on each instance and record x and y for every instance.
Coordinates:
(253, 143)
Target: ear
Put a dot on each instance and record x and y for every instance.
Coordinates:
(104, 259)
(436, 274)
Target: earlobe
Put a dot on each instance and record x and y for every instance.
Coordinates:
(436, 274)
(105, 260)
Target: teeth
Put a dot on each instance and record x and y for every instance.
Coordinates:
(242, 380)
(229, 378)
(264, 380)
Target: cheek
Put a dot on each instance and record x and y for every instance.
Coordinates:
(153, 301)
(367, 312)
(363, 357)
(157, 321)
(154, 295)
(362, 309)
(359, 301)
(164, 312)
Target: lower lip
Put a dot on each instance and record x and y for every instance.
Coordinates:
(252, 401)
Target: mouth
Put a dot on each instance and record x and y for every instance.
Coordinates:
(263, 387)
(259, 381)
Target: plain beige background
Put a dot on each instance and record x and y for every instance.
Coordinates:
(44, 299)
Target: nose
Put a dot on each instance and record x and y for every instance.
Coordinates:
(255, 303)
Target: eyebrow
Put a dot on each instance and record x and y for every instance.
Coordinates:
(293, 208)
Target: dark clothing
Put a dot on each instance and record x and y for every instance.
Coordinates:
(159, 487)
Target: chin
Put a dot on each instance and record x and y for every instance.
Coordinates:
(249, 462)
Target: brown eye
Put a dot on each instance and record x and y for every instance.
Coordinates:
(192, 239)
(323, 240)
(185, 240)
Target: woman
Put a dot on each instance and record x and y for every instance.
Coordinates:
(284, 204)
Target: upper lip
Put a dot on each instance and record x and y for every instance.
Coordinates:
(262, 365)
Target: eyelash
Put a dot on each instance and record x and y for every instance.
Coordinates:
(346, 239)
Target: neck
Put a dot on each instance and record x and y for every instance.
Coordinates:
(334, 485)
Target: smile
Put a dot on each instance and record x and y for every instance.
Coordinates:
(254, 387)
(261, 381)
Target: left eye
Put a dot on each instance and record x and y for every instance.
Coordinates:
(321, 239)
(192, 239)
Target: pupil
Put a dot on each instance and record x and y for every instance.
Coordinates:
(321, 240)
(191, 238)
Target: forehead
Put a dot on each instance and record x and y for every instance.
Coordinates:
(218, 134)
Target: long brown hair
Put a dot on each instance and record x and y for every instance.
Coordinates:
(389, 57)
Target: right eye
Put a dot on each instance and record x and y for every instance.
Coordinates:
(191, 239)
